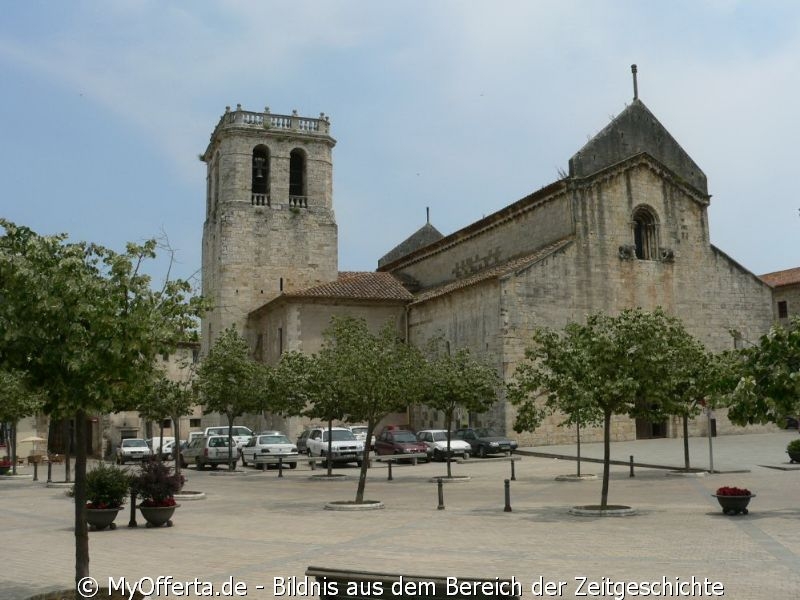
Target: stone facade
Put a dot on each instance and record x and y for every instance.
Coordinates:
(786, 293)
(627, 227)
(261, 241)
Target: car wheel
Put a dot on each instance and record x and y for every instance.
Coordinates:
(437, 455)
(482, 451)
(466, 455)
(214, 466)
(292, 465)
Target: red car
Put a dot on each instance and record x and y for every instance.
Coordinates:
(399, 441)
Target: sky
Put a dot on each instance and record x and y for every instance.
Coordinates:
(463, 107)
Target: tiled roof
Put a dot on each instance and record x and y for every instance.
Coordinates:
(357, 285)
(494, 272)
(779, 278)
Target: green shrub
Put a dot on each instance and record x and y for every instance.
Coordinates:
(107, 486)
(794, 446)
(156, 484)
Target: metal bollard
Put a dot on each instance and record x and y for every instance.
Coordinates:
(513, 474)
(49, 471)
(280, 466)
(507, 484)
(440, 485)
(389, 462)
(132, 522)
(632, 475)
(36, 471)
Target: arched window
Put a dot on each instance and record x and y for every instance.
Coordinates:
(645, 233)
(297, 175)
(260, 177)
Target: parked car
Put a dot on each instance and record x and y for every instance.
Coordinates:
(344, 445)
(241, 434)
(399, 441)
(485, 441)
(207, 450)
(302, 442)
(133, 449)
(272, 444)
(158, 444)
(436, 442)
(360, 431)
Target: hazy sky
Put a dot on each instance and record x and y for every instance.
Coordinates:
(461, 106)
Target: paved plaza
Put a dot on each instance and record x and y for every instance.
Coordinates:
(255, 527)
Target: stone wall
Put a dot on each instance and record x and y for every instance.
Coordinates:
(789, 294)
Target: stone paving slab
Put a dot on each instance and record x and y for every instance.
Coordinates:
(257, 527)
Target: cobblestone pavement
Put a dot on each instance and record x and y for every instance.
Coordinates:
(255, 527)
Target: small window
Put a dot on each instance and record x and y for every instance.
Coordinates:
(297, 173)
(260, 172)
(194, 422)
(166, 423)
(645, 233)
(783, 310)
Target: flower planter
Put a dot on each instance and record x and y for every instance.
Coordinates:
(734, 505)
(794, 457)
(158, 516)
(100, 518)
(4, 470)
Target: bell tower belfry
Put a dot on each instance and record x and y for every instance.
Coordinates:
(269, 224)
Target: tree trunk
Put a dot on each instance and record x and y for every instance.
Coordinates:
(160, 439)
(362, 476)
(606, 458)
(686, 441)
(330, 447)
(13, 443)
(176, 447)
(231, 464)
(67, 448)
(448, 424)
(81, 529)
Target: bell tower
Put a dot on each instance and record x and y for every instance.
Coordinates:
(269, 224)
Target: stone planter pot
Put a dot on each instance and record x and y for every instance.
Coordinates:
(734, 505)
(794, 457)
(101, 518)
(158, 516)
(5, 470)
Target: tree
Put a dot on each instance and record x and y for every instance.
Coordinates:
(457, 380)
(168, 399)
(85, 326)
(230, 381)
(372, 375)
(605, 367)
(18, 401)
(768, 378)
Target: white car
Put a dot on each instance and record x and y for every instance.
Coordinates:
(360, 431)
(436, 441)
(344, 445)
(267, 446)
(133, 449)
(241, 434)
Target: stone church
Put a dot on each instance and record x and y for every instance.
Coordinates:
(626, 227)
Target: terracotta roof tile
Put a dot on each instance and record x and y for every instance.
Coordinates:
(779, 278)
(357, 285)
(494, 272)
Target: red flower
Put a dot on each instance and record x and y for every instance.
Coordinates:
(733, 491)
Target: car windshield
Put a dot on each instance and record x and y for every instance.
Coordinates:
(273, 439)
(134, 443)
(439, 436)
(338, 435)
(483, 432)
(218, 442)
(404, 436)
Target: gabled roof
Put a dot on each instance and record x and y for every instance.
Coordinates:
(357, 285)
(494, 272)
(427, 234)
(781, 278)
(633, 131)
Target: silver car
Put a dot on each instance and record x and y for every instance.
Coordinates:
(436, 441)
(133, 449)
(269, 446)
